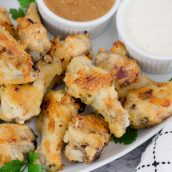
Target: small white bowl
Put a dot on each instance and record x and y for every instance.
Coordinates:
(60, 26)
(148, 62)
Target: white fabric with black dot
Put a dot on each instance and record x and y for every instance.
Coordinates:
(158, 155)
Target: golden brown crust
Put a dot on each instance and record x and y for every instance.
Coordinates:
(32, 13)
(78, 83)
(72, 46)
(89, 123)
(125, 71)
(21, 102)
(119, 48)
(15, 141)
(95, 87)
(86, 137)
(149, 105)
(16, 64)
(6, 22)
(32, 34)
(92, 81)
(57, 110)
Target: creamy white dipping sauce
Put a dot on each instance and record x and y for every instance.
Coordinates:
(148, 25)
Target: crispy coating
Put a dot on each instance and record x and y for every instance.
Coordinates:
(125, 71)
(15, 63)
(72, 46)
(58, 109)
(95, 87)
(22, 102)
(15, 142)
(6, 22)
(86, 137)
(119, 48)
(149, 105)
(32, 34)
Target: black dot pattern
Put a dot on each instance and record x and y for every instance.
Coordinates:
(155, 163)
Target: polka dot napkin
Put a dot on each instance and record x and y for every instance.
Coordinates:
(158, 155)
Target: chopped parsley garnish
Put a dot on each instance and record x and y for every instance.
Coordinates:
(20, 166)
(128, 138)
(25, 3)
(32, 166)
(13, 166)
(17, 13)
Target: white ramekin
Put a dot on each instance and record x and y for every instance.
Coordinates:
(60, 26)
(148, 62)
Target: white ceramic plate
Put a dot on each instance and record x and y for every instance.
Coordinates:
(112, 151)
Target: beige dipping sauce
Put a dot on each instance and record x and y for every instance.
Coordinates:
(148, 25)
(80, 10)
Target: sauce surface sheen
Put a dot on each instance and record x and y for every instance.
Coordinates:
(80, 10)
(148, 25)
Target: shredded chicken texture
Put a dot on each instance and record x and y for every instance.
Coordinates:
(86, 137)
(72, 46)
(149, 105)
(22, 102)
(15, 142)
(124, 70)
(15, 63)
(32, 34)
(95, 87)
(6, 22)
(57, 110)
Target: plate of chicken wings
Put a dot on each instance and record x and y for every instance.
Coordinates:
(69, 95)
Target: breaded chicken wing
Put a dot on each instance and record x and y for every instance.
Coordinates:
(15, 63)
(95, 87)
(15, 142)
(58, 109)
(86, 137)
(124, 70)
(22, 102)
(149, 105)
(32, 34)
(72, 46)
(6, 22)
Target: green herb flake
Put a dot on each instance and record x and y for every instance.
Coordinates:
(36, 168)
(25, 3)
(13, 166)
(32, 165)
(16, 13)
(20, 166)
(128, 138)
(33, 156)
